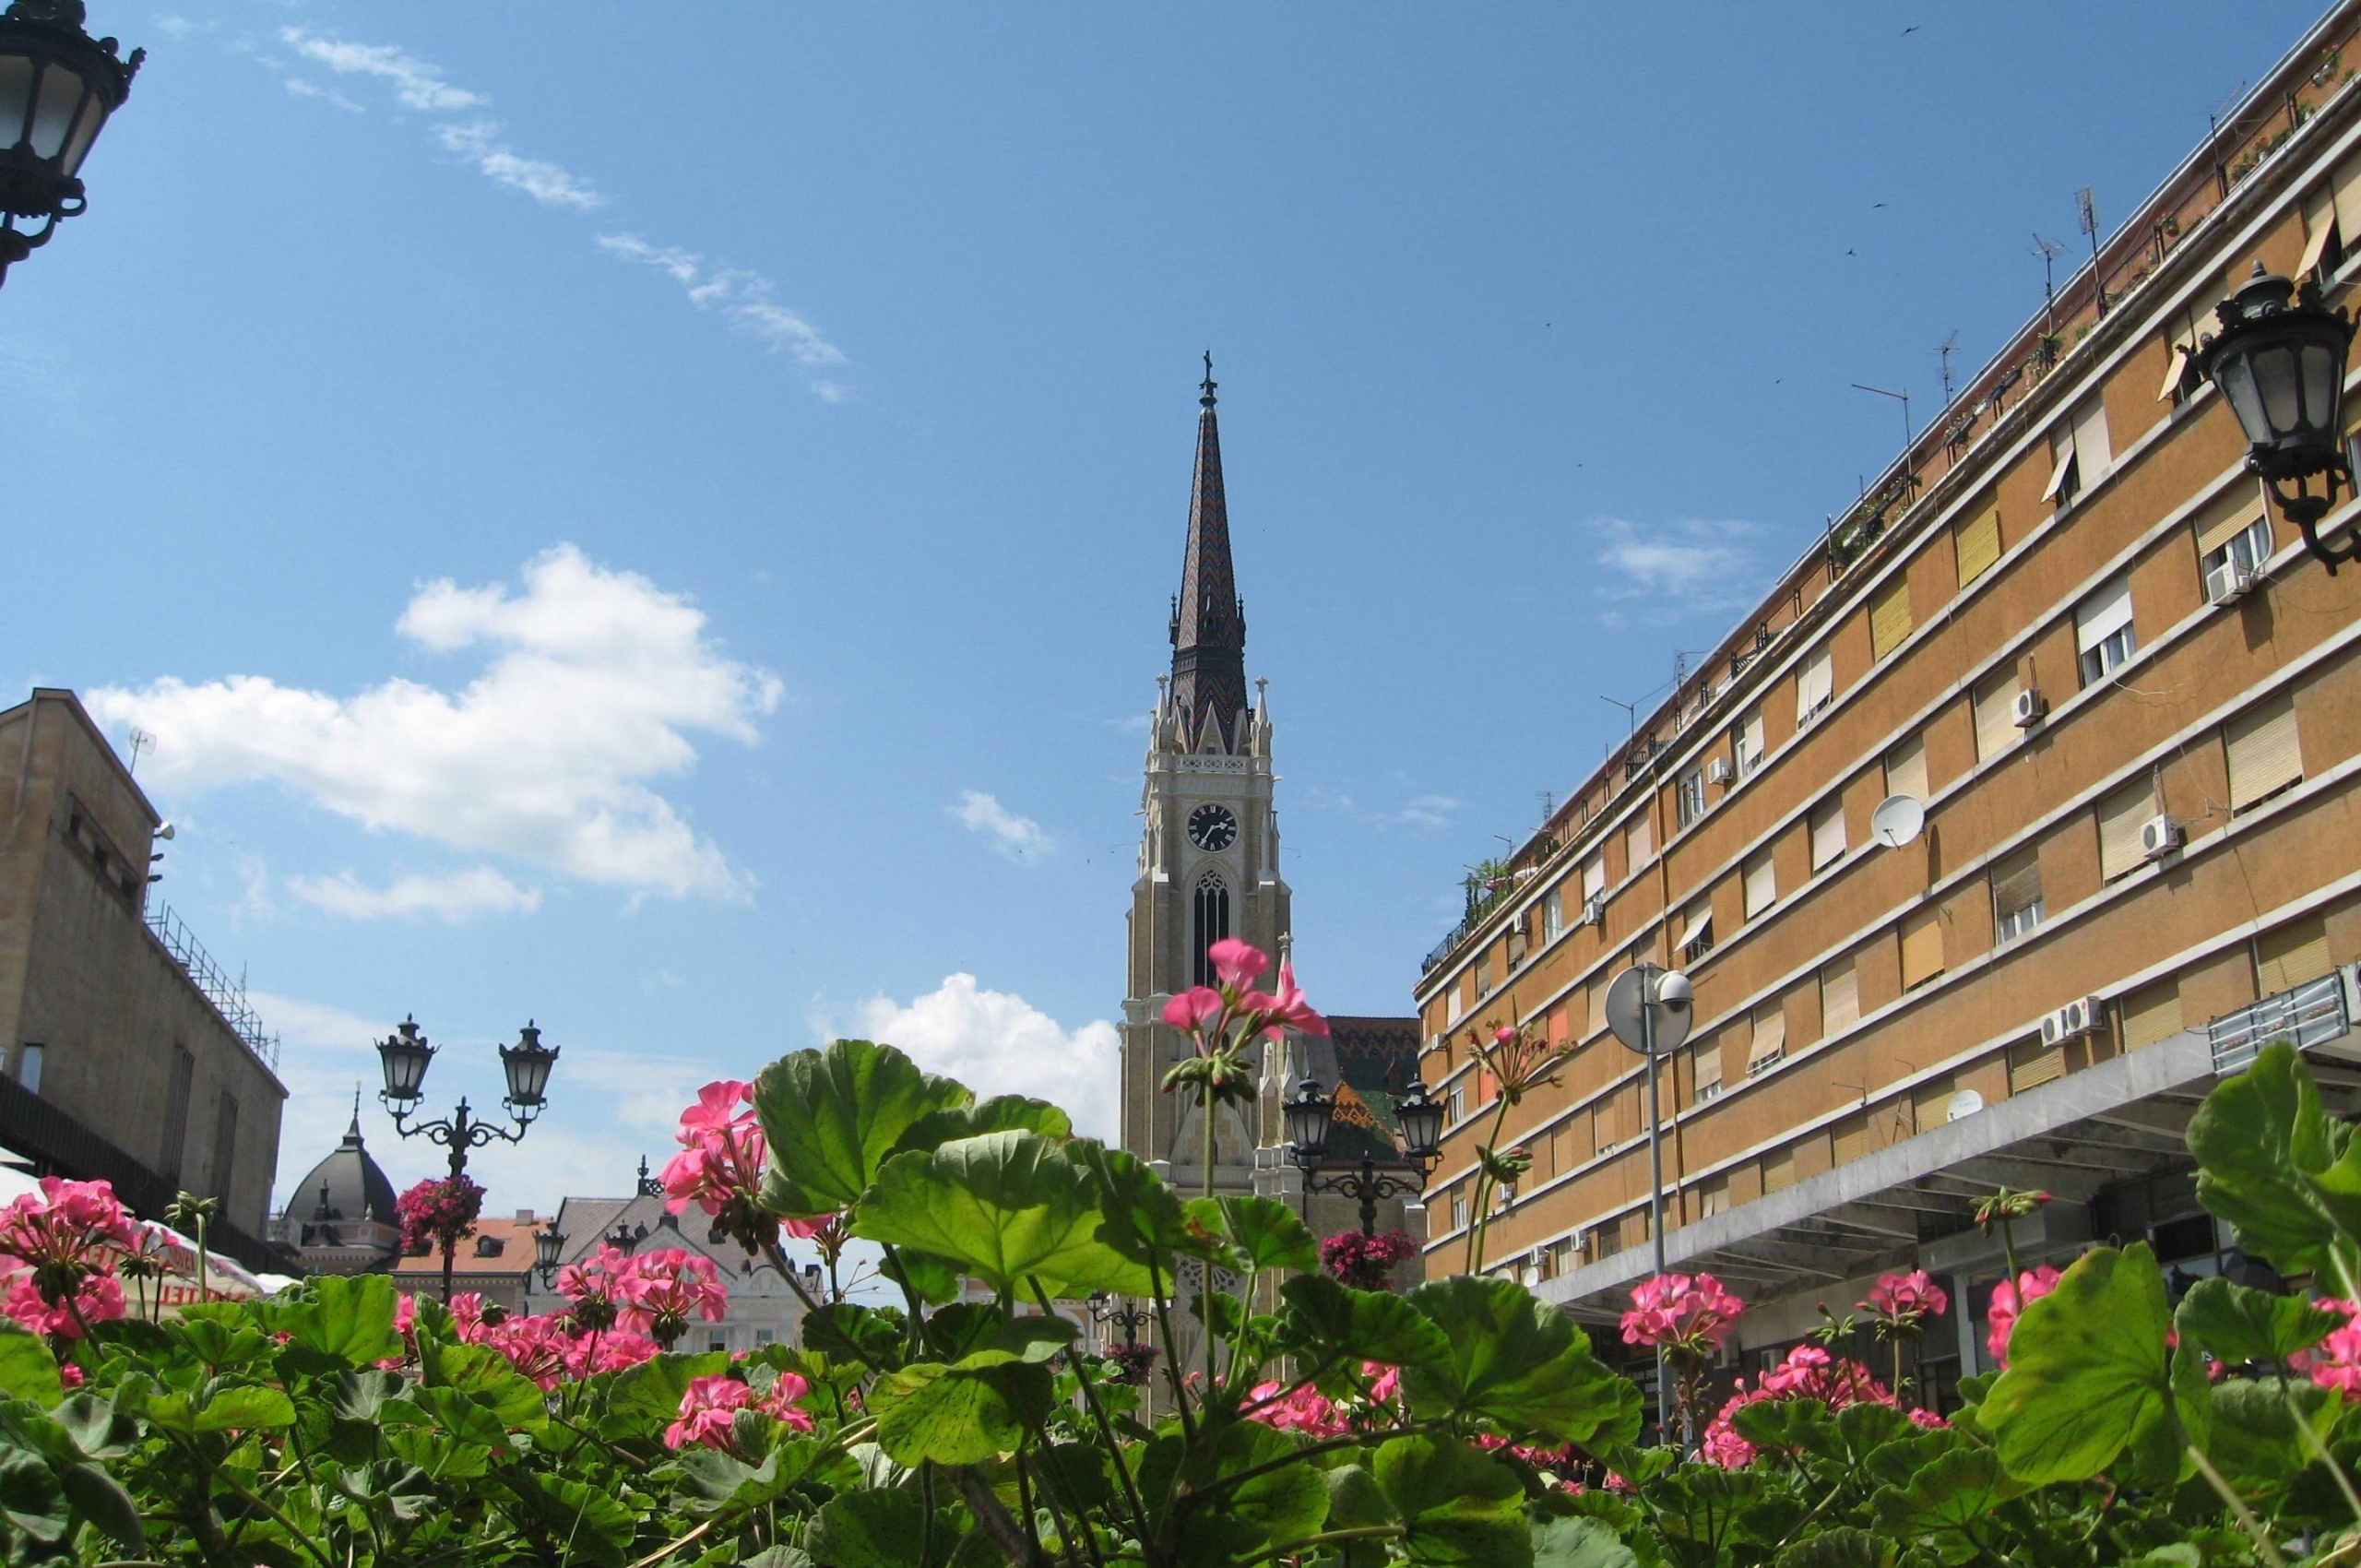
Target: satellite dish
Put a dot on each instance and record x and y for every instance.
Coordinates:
(1897, 820)
(1967, 1103)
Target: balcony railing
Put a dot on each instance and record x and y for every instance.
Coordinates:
(228, 996)
(2307, 1016)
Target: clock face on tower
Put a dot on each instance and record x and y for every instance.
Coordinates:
(1211, 827)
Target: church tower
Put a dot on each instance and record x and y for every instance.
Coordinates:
(1209, 842)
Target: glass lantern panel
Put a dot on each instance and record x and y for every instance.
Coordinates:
(2274, 379)
(2235, 378)
(61, 94)
(16, 97)
(85, 131)
(2322, 373)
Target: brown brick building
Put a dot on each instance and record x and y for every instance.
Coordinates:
(2130, 705)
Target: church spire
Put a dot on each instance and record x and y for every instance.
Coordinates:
(1208, 621)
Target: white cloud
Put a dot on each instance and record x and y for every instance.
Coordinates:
(594, 681)
(1013, 836)
(454, 895)
(297, 88)
(1677, 569)
(997, 1043)
(546, 183)
(416, 83)
(1430, 811)
(742, 298)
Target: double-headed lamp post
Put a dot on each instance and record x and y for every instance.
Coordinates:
(406, 1054)
(2279, 362)
(57, 87)
(1130, 1318)
(1312, 1112)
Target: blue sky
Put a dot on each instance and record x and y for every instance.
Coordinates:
(661, 521)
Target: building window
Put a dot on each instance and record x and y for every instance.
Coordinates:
(1456, 1007)
(2233, 541)
(491, 1246)
(1483, 978)
(1922, 948)
(2016, 896)
(1905, 769)
(2151, 1013)
(1747, 745)
(1762, 885)
(1692, 795)
(175, 1129)
(1840, 997)
(2121, 816)
(1769, 1047)
(1713, 1197)
(1638, 844)
(764, 1336)
(1890, 621)
(1827, 835)
(2294, 955)
(1705, 1072)
(1210, 918)
(1594, 877)
(1459, 1211)
(2103, 631)
(1778, 1171)
(2264, 754)
(1995, 714)
(1553, 915)
(2082, 452)
(716, 1340)
(1697, 931)
(1815, 686)
(29, 1067)
(1977, 543)
(1457, 1103)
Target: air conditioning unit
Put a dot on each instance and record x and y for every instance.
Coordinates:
(1718, 771)
(2159, 837)
(1595, 910)
(2028, 710)
(2230, 581)
(2077, 1018)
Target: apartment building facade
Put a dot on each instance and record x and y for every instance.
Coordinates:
(2123, 706)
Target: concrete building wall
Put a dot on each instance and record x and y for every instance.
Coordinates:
(1886, 972)
(84, 979)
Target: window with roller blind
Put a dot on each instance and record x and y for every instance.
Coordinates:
(1827, 833)
(1815, 686)
(2182, 329)
(1905, 769)
(1762, 885)
(2032, 1064)
(2121, 815)
(1995, 719)
(2265, 753)
(1553, 914)
(1747, 745)
(1977, 543)
(2104, 636)
(1840, 997)
(1922, 948)
(1697, 931)
(1594, 877)
(2080, 452)
(1692, 791)
(2016, 896)
(1705, 1072)
(1713, 1197)
(2151, 1013)
(1769, 1047)
(2294, 954)
(1778, 1171)
(2235, 532)
(1889, 620)
(1850, 1137)
(1639, 843)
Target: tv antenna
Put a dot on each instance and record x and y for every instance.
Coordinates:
(2049, 251)
(1943, 352)
(2086, 216)
(1631, 709)
(142, 742)
(1903, 398)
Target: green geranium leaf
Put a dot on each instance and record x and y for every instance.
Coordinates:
(1002, 1113)
(2088, 1372)
(349, 1317)
(654, 1387)
(1141, 1217)
(958, 1415)
(100, 1498)
(28, 1371)
(2239, 1324)
(1324, 1317)
(870, 1529)
(1456, 1505)
(1844, 1547)
(1516, 1360)
(592, 1523)
(249, 1408)
(832, 1118)
(97, 1428)
(486, 1376)
(1950, 1494)
(2257, 1138)
(2254, 1440)
(1260, 1232)
(31, 1498)
(931, 1280)
(1002, 1206)
(855, 1332)
(1580, 1543)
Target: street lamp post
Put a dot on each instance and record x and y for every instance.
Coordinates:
(549, 1246)
(2281, 368)
(1311, 1114)
(1650, 1010)
(405, 1056)
(1130, 1319)
(57, 87)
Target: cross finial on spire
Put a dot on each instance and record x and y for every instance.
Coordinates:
(1208, 383)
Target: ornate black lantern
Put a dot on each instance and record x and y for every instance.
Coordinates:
(528, 1065)
(405, 1055)
(2281, 368)
(1420, 1118)
(57, 87)
(1308, 1115)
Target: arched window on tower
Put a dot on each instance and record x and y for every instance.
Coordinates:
(1210, 924)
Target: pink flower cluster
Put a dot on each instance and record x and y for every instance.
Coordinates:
(1205, 1011)
(1365, 1263)
(438, 1214)
(547, 1348)
(57, 1251)
(1809, 1372)
(1312, 1413)
(2009, 1300)
(710, 1411)
(1907, 1297)
(653, 1293)
(2335, 1362)
(1685, 1315)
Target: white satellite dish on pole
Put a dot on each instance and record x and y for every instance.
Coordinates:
(1965, 1103)
(1897, 820)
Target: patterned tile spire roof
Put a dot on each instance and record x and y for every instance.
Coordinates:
(1208, 620)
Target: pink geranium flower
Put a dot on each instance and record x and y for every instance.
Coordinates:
(2009, 1301)
(1237, 963)
(1289, 1010)
(709, 1414)
(784, 1402)
(1193, 1009)
(718, 1107)
(662, 1290)
(1913, 1294)
(1679, 1313)
(96, 1298)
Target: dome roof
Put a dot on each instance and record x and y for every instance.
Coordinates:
(347, 1185)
